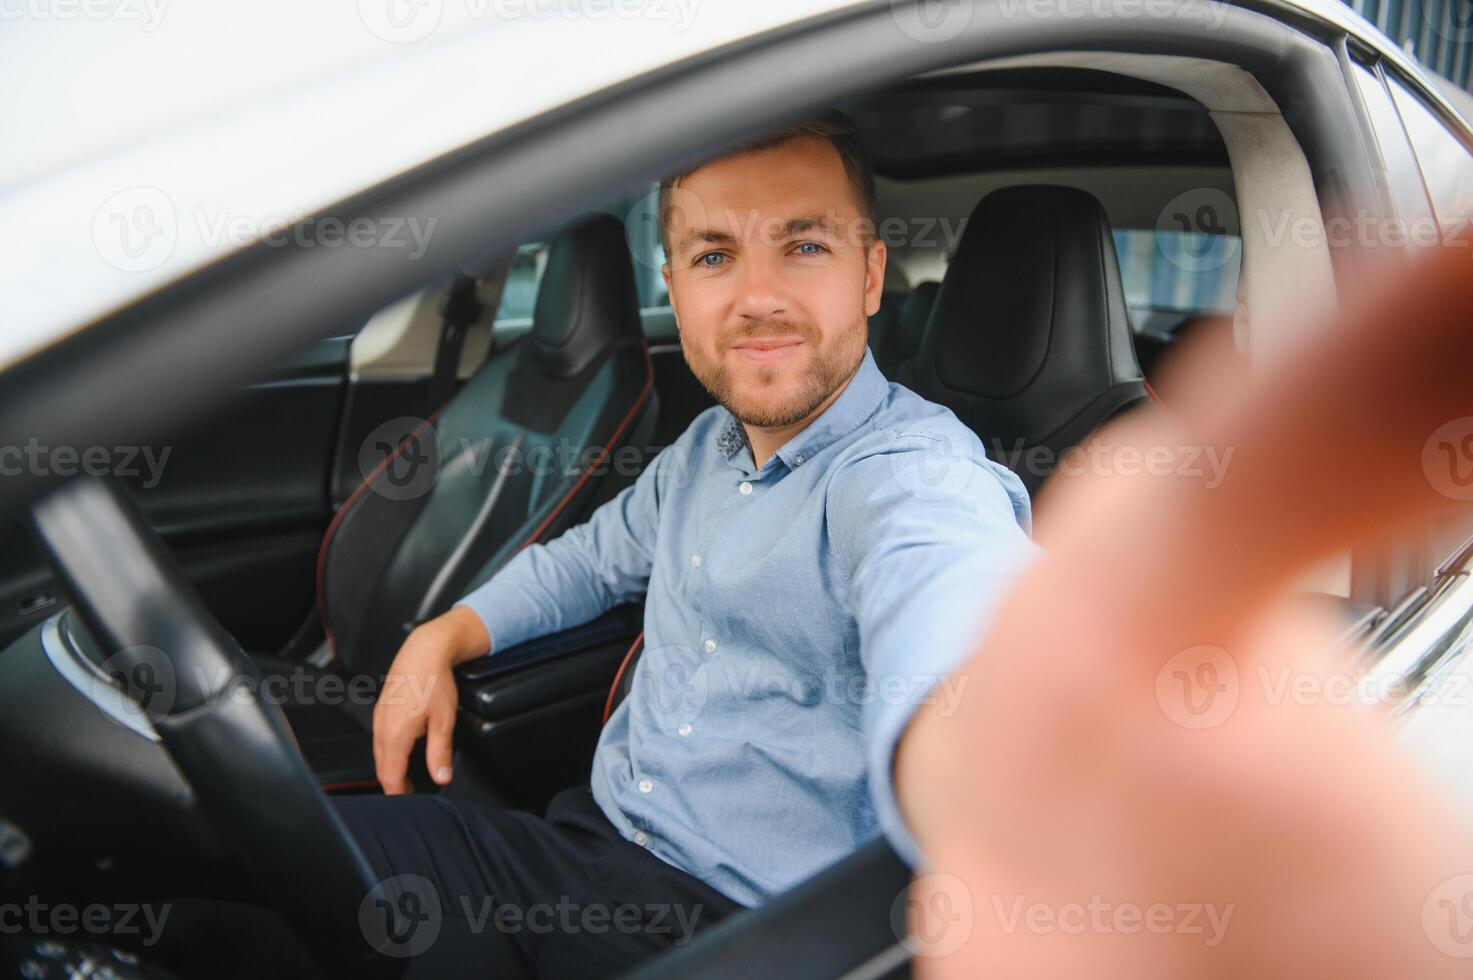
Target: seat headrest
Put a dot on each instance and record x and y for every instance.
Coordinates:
(1030, 326)
(586, 300)
(914, 314)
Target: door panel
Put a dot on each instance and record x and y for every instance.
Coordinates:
(242, 505)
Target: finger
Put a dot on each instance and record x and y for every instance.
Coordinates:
(1321, 450)
(391, 747)
(438, 742)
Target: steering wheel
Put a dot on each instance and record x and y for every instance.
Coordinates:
(236, 752)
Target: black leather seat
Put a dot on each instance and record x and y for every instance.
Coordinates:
(884, 330)
(1030, 341)
(910, 328)
(525, 450)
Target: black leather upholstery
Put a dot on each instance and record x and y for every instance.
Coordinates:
(884, 331)
(515, 446)
(1030, 341)
(915, 313)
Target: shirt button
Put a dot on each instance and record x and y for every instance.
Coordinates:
(645, 786)
(797, 460)
(710, 646)
(745, 488)
(685, 730)
(641, 838)
(695, 561)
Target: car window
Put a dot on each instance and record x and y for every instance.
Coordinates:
(1170, 276)
(1447, 165)
(1402, 172)
(638, 212)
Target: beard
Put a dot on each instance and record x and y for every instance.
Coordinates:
(778, 395)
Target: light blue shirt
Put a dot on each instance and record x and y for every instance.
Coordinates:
(796, 615)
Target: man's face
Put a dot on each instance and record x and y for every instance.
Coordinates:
(770, 279)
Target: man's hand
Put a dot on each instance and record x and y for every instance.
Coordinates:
(419, 697)
(1123, 748)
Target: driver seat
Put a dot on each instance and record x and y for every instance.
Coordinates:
(520, 453)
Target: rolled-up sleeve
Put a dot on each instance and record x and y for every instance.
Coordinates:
(585, 571)
(932, 534)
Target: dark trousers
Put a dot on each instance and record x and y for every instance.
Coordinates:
(472, 891)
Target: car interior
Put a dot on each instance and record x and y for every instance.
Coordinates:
(1057, 223)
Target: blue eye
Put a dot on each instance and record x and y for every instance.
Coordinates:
(813, 245)
(710, 255)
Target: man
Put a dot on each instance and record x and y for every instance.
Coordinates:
(817, 553)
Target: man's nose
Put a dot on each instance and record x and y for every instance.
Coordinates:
(762, 289)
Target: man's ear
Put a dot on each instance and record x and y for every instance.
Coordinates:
(874, 276)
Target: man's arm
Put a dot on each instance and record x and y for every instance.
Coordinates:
(933, 534)
(589, 569)
(545, 588)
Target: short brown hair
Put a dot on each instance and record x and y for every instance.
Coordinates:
(832, 126)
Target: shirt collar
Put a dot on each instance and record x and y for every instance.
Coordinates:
(855, 404)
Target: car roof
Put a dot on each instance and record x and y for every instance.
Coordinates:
(253, 122)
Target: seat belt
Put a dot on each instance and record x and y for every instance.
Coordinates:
(459, 308)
